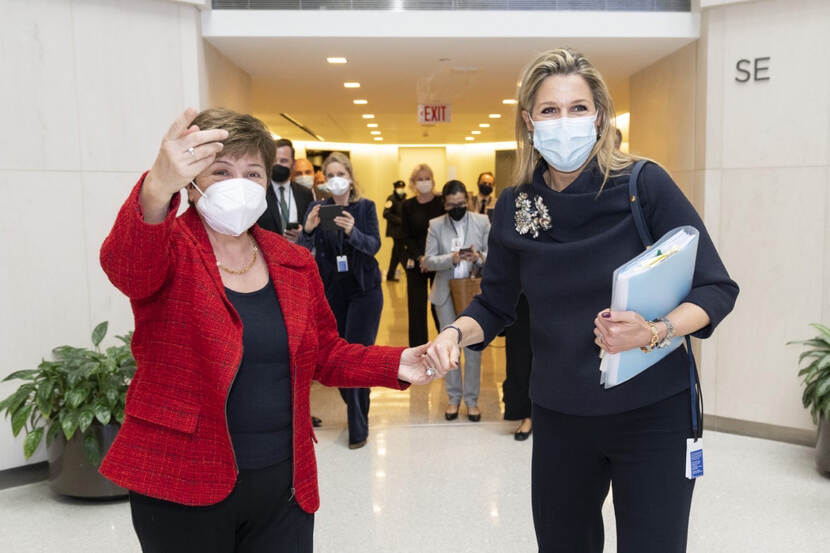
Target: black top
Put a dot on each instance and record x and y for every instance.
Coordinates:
(259, 404)
(359, 247)
(566, 274)
(392, 214)
(415, 218)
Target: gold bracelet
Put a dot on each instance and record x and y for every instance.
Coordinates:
(655, 338)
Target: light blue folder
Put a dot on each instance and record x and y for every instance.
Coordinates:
(652, 284)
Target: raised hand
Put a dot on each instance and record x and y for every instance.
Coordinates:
(313, 219)
(185, 152)
(413, 367)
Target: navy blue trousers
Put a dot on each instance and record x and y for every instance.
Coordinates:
(358, 317)
(641, 453)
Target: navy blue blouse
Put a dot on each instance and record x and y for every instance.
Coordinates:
(259, 403)
(566, 274)
(359, 247)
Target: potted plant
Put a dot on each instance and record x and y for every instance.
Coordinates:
(816, 394)
(77, 402)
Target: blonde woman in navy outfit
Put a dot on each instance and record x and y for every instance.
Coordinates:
(558, 236)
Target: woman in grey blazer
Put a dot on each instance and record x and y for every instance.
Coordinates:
(456, 246)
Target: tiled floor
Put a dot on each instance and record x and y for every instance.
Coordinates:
(423, 484)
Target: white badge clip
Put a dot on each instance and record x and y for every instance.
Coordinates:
(694, 458)
(456, 244)
(342, 264)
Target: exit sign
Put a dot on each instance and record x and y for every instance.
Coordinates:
(439, 113)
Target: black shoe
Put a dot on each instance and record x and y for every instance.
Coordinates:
(474, 418)
(316, 422)
(521, 436)
(357, 445)
(451, 416)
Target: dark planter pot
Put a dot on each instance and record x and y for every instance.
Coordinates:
(70, 473)
(823, 445)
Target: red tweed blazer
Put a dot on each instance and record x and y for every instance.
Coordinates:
(174, 443)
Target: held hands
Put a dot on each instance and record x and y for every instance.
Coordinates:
(345, 221)
(618, 331)
(185, 152)
(414, 365)
(313, 219)
(442, 354)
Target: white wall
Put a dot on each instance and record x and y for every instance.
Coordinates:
(90, 87)
(755, 159)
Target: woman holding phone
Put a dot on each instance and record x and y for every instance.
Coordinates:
(345, 254)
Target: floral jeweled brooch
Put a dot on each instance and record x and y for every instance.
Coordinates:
(531, 215)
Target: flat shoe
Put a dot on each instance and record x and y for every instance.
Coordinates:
(357, 445)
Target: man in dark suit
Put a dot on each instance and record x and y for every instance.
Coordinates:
(392, 214)
(287, 201)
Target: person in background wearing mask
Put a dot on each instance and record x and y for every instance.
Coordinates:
(558, 236)
(303, 174)
(350, 273)
(456, 247)
(415, 216)
(392, 214)
(231, 326)
(320, 192)
(485, 199)
(287, 201)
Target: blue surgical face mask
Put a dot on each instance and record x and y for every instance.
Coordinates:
(565, 143)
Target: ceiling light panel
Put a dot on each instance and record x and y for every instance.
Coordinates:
(351, 84)
(337, 60)
(368, 115)
(495, 116)
(509, 101)
(360, 102)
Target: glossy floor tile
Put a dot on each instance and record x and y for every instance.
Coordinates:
(424, 484)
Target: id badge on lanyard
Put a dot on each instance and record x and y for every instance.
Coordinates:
(342, 260)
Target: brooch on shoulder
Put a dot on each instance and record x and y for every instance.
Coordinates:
(531, 215)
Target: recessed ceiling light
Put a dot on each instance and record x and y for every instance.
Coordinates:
(372, 125)
(495, 116)
(337, 60)
(509, 101)
(374, 132)
(484, 125)
(360, 102)
(351, 85)
(469, 138)
(368, 116)
(378, 138)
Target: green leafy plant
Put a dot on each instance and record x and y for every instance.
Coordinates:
(79, 389)
(816, 375)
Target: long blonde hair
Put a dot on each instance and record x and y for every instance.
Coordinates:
(342, 159)
(563, 61)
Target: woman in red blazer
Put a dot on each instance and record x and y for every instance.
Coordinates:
(231, 327)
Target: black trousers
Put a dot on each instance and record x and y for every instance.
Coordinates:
(519, 356)
(417, 298)
(259, 515)
(641, 453)
(358, 318)
(398, 256)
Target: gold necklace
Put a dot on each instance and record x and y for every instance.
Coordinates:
(247, 268)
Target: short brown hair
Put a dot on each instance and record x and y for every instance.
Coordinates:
(246, 134)
(282, 142)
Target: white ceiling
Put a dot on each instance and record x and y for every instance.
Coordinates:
(291, 75)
